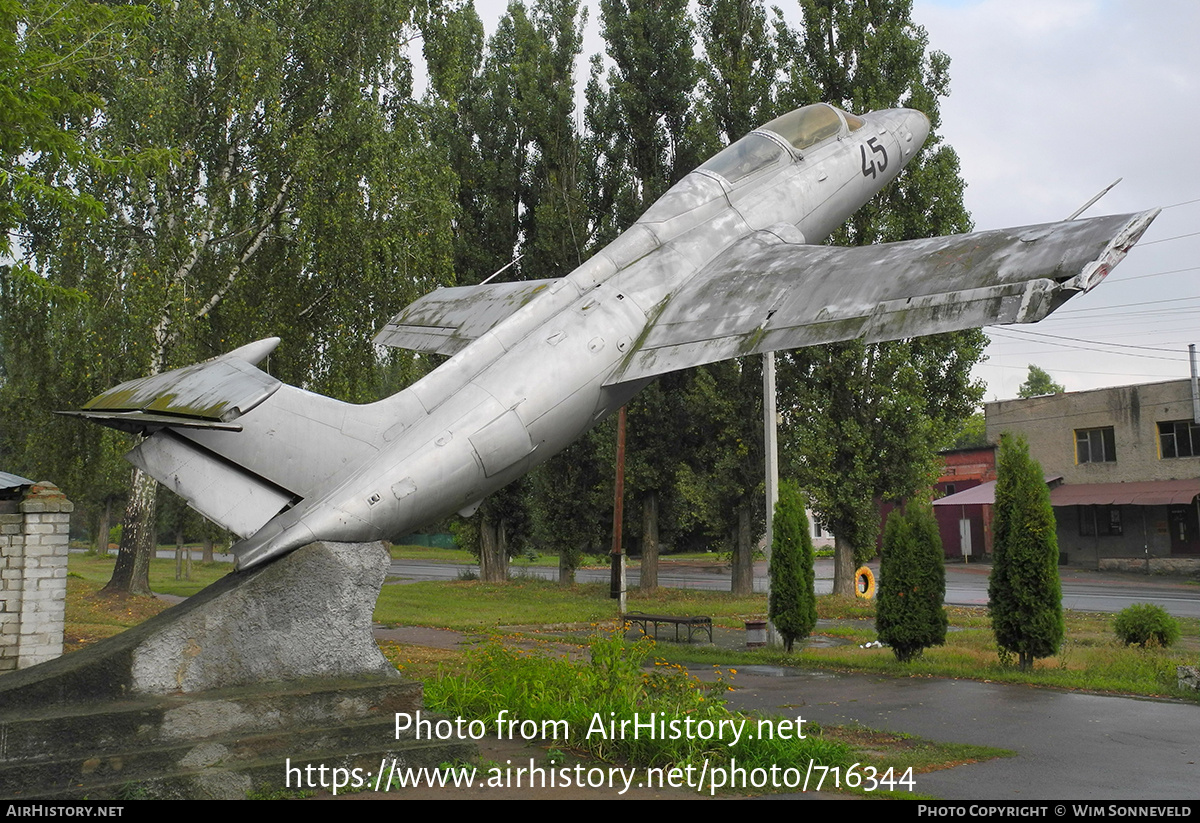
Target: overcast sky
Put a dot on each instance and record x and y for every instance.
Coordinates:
(1051, 100)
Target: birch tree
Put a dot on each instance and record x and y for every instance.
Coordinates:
(279, 150)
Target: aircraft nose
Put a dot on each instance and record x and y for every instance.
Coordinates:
(913, 131)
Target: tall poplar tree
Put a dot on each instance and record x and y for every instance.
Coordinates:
(866, 420)
(738, 94)
(511, 132)
(636, 146)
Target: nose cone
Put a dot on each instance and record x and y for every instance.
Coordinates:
(913, 131)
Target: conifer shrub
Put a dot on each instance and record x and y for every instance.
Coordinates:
(1024, 591)
(793, 603)
(912, 583)
(1145, 624)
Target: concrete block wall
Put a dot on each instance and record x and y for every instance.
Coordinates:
(34, 535)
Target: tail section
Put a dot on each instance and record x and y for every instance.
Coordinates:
(239, 445)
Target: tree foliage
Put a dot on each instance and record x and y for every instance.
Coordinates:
(793, 601)
(912, 583)
(53, 56)
(270, 154)
(1039, 382)
(1024, 590)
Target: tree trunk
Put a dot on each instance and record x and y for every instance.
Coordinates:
(566, 569)
(131, 575)
(493, 559)
(103, 527)
(843, 567)
(649, 573)
(206, 553)
(743, 555)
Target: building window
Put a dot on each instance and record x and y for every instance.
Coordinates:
(1095, 445)
(1179, 438)
(1100, 520)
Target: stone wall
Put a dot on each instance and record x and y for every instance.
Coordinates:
(1175, 566)
(33, 576)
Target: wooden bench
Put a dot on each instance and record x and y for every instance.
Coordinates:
(693, 624)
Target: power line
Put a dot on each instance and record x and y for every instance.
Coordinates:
(1155, 274)
(1099, 351)
(1080, 340)
(1184, 203)
(1125, 306)
(1165, 239)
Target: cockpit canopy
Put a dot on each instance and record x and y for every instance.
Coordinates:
(810, 125)
(802, 128)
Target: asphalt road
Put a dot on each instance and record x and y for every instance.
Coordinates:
(1069, 746)
(965, 585)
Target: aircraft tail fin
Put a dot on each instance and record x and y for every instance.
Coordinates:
(239, 445)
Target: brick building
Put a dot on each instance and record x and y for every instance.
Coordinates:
(1129, 458)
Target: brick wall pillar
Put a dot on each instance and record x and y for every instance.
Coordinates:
(34, 534)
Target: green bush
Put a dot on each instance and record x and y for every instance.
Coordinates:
(1024, 590)
(546, 686)
(1146, 625)
(912, 583)
(793, 602)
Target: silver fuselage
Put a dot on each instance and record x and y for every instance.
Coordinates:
(536, 381)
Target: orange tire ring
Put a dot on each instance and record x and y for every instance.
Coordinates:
(864, 583)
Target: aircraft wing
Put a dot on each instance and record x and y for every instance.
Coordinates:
(447, 319)
(764, 294)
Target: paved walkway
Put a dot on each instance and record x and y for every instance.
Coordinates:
(1069, 746)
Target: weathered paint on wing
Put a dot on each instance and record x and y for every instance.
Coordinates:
(766, 294)
(445, 321)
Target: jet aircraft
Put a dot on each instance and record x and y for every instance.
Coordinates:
(727, 263)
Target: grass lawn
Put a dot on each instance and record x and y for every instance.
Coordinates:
(98, 569)
(471, 605)
(1090, 659)
(433, 554)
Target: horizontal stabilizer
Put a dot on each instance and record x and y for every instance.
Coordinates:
(447, 320)
(764, 294)
(204, 395)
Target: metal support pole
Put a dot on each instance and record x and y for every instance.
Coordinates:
(771, 451)
(617, 577)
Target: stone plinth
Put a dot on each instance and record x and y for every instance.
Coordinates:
(306, 615)
(235, 689)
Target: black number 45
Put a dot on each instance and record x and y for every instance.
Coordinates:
(869, 169)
